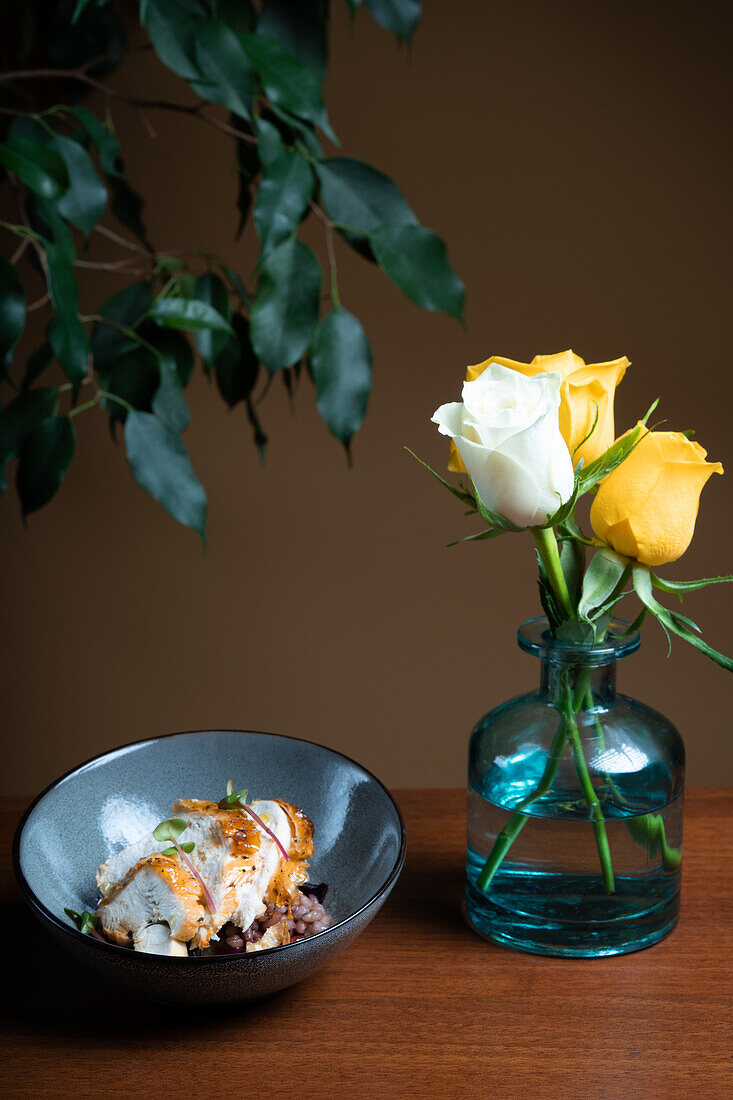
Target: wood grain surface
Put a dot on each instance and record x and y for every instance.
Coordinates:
(417, 1006)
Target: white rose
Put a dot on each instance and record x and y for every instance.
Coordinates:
(507, 432)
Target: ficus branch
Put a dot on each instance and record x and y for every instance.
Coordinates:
(193, 110)
(330, 249)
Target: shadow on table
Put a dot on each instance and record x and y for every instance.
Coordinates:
(429, 893)
(52, 998)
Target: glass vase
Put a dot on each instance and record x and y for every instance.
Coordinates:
(575, 797)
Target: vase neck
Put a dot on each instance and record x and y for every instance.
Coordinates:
(594, 685)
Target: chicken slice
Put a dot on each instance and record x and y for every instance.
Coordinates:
(157, 890)
(242, 866)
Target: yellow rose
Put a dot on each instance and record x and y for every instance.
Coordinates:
(646, 508)
(584, 386)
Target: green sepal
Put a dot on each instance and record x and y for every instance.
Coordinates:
(672, 620)
(464, 497)
(589, 476)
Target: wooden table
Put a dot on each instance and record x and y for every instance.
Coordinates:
(417, 1006)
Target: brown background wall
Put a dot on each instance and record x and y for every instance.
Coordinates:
(576, 158)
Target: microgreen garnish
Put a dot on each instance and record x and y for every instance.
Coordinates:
(187, 846)
(86, 922)
(171, 830)
(239, 799)
(235, 798)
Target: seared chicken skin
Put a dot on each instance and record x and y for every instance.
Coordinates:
(154, 902)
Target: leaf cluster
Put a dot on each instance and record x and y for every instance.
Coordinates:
(133, 353)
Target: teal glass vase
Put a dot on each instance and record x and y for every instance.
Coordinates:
(575, 799)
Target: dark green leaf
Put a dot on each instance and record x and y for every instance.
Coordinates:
(399, 16)
(237, 286)
(161, 466)
(236, 366)
(259, 436)
(300, 28)
(84, 202)
(356, 195)
(173, 33)
(297, 132)
(125, 309)
(12, 310)
(66, 334)
(282, 198)
(270, 144)
(223, 62)
(212, 290)
(188, 314)
(44, 460)
(41, 168)
(415, 260)
(287, 82)
(285, 312)
(21, 416)
(171, 344)
(134, 378)
(248, 166)
(38, 360)
(169, 404)
(47, 221)
(106, 142)
(341, 360)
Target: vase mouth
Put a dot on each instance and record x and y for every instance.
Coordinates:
(534, 637)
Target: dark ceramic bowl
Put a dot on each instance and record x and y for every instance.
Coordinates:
(85, 816)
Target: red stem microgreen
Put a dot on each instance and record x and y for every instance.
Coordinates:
(171, 830)
(239, 798)
(86, 922)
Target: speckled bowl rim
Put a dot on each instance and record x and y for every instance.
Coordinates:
(172, 960)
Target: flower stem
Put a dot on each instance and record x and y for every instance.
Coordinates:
(646, 829)
(506, 837)
(589, 792)
(546, 544)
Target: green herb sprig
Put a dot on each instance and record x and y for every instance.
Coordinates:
(171, 829)
(86, 922)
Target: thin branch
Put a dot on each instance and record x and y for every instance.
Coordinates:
(330, 249)
(115, 267)
(20, 207)
(41, 302)
(19, 251)
(112, 236)
(195, 110)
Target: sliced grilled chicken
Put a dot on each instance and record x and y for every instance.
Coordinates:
(241, 865)
(158, 889)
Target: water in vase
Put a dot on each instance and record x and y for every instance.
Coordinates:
(548, 894)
